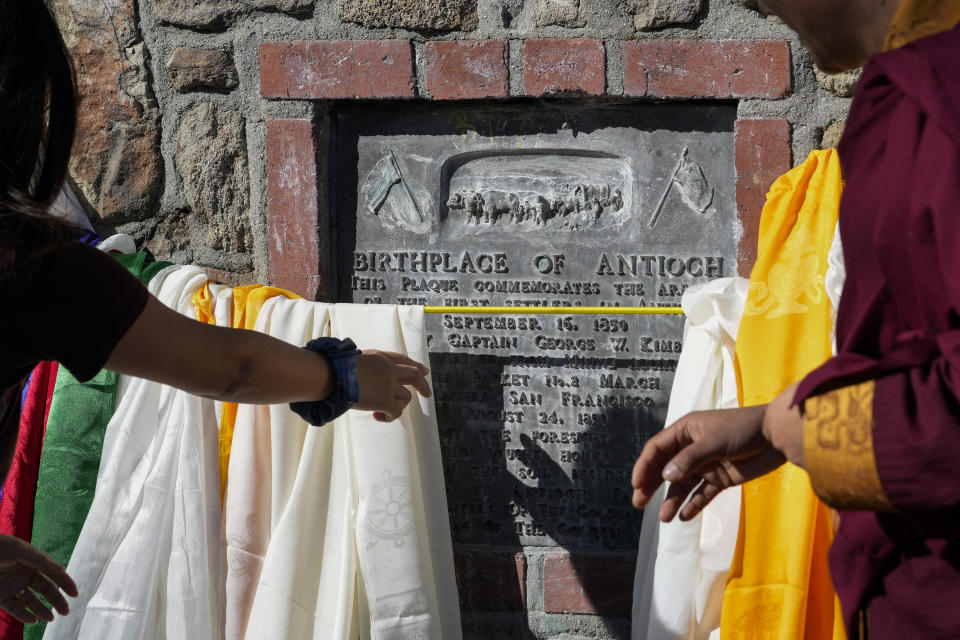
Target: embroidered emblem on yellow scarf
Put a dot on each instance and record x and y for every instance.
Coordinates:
(793, 279)
(247, 302)
(779, 586)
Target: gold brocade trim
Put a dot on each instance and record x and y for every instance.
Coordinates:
(917, 19)
(838, 449)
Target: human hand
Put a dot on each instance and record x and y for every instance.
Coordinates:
(702, 454)
(25, 573)
(383, 378)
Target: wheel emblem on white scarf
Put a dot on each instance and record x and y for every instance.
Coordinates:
(390, 514)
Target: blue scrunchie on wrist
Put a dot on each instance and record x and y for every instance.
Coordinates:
(343, 356)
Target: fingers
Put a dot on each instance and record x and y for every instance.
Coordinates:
(34, 558)
(50, 593)
(693, 456)
(30, 556)
(640, 499)
(699, 499)
(402, 396)
(677, 492)
(660, 449)
(65, 582)
(16, 608)
(414, 377)
(401, 359)
(383, 377)
(689, 496)
(29, 599)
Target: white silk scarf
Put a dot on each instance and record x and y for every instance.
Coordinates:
(265, 455)
(339, 532)
(67, 207)
(682, 566)
(833, 281)
(147, 561)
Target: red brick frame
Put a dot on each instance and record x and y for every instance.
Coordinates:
(462, 70)
(295, 217)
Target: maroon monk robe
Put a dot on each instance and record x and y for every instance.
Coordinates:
(882, 419)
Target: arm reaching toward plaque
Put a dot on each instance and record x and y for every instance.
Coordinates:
(706, 452)
(236, 365)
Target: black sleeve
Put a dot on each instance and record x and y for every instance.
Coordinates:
(75, 305)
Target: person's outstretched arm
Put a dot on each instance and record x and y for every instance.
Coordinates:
(237, 365)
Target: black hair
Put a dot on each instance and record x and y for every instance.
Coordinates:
(37, 126)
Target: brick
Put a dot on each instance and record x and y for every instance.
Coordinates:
(594, 584)
(706, 69)
(294, 242)
(462, 70)
(762, 154)
(556, 66)
(337, 69)
(491, 581)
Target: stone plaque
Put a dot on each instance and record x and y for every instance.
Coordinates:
(539, 204)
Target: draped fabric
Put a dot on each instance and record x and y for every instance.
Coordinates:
(255, 478)
(833, 282)
(682, 567)
(148, 559)
(26, 390)
(72, 444)
(247, 302)
(917, 19)
(20, 488)
(67, 206)
(895, 374)
(120, 243)
(779, 584)
(400, 521)
(341, 531)
(213, 304)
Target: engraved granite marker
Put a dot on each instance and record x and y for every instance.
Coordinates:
(540, 204)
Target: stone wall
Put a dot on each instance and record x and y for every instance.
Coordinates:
(204, 126)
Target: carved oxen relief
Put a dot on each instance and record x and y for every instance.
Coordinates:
(554, 190)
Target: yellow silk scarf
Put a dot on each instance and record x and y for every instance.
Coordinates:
(247, 302)
(779, 585)
(917, 19)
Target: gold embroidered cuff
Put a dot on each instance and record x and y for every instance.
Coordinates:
(838, 449)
